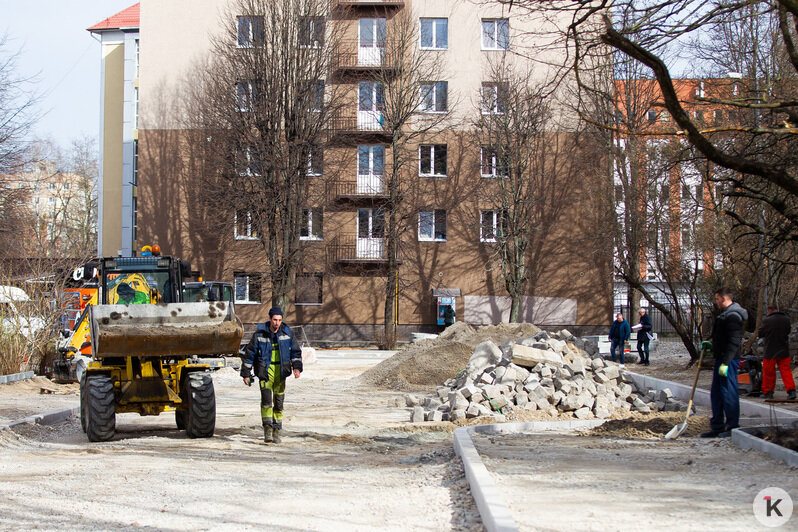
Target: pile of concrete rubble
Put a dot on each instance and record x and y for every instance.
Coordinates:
(558, 374)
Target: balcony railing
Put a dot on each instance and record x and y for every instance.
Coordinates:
(350, 55)
(366, 187)
(360, 122)
(351, 249)
(368, 3)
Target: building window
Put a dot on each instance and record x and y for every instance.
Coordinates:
(432, 160)
(135, 216)
(317, 96)
(244, 228)
(247, 287)
(51, 186)
(698, 116)
(315, 160)
(491, 163)
(432, 225)
(494, 98)
(245, 96)
(434, 33)
(495, 34)
(652, 116)
(51, 200)
(135, 163)
(434, 97)
(311, 32)
(36, 200)
(664, 116)
(250, 31)
(718, 116)
(312, 224)
(247, 161)
(492, 224)
(66, 186)
(309, 288)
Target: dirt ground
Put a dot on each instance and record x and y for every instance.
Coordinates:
(573, 482)
(40, 395)
(349, 461)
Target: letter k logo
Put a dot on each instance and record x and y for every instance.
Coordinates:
(772, 506)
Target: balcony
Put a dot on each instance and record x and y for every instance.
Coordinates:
(348, 248)
(367, 188)
(368, 3)
(353, 56)
(358, 124)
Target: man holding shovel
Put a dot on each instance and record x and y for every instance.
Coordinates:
(726, 337)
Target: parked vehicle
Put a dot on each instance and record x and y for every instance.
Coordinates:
(18, 312)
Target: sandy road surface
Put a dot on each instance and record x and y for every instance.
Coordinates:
(571, 482)
(348, 462)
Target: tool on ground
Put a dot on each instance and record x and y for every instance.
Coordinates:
(679, 429)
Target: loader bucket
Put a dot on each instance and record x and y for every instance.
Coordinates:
(165, 330)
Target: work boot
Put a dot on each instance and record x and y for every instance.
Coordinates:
(711, 433)
(276, 435)
(791, 394)
(768, 395)
(267, 434)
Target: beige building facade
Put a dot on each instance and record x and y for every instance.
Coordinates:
(448, 249)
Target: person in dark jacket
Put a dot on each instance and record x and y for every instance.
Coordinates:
(275, 354)
(619, 333)
(727, 335)
(643, 338)
(775, 331)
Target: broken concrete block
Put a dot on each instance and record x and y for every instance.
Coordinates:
(644, 409)
(499, 372)
(499, 402)
(469, 390)
(532, 406)
(436, 416)
(556, 397)
(485, 378)
(530, 356)
(442, 392)
(664, 395)
(485, 354)
(412, 400)
(624, 390)
(521, 374)
(600, 377)
(569, 403)
(597, 364)
(546, 371)
(612, 372)
(417, 416)
(601, 413)
(457, 415)
(521, 398)
(582, 413)
(458, 402)
(432, 403)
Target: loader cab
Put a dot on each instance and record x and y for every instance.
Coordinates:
(207, 291)
(135, 280)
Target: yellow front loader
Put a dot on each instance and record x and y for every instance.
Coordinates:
(143, 340)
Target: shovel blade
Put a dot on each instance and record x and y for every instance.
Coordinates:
(676, 431)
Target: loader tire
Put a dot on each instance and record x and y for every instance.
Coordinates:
(201, 415)
(100, 407)
(84, 413)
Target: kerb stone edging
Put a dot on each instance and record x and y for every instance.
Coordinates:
(745, 440)
(14, 377)
(48, 418)
(495, 515)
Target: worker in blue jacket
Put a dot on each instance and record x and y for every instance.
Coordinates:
(619, 333)
(275, 354)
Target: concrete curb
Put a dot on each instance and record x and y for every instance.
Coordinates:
(495, 515)
(14, 377)
(745, 440)
(48, 418)
(682, 392)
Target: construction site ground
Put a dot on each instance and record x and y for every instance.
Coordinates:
(350, 460)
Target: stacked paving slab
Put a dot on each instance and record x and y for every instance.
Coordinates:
(558, 374)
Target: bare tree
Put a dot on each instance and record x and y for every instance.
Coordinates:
(265, 109)
(412, 102)
(17, 100)
(529, 167)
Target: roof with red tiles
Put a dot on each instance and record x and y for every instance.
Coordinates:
(127, 18)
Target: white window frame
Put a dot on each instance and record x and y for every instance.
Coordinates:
(432, 149)
(434, 32)
(245, 153)
(248, 300)
(307, 217)
(250, 234)
(494, 34)
(431, 216)
(494, 163)
(496, 213)
(434, 88)
(495, 98)
(249, 39)
(312, 23)
(319, 151)
(245, 101)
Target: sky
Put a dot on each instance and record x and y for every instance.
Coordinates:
(54, 46)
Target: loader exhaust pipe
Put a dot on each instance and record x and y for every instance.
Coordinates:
(165, 330)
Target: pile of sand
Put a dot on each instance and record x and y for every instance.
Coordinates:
(432, 362)
(649, 426)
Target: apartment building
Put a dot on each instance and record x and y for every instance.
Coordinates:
(448, 253)
(679, 186)
(118, 143)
